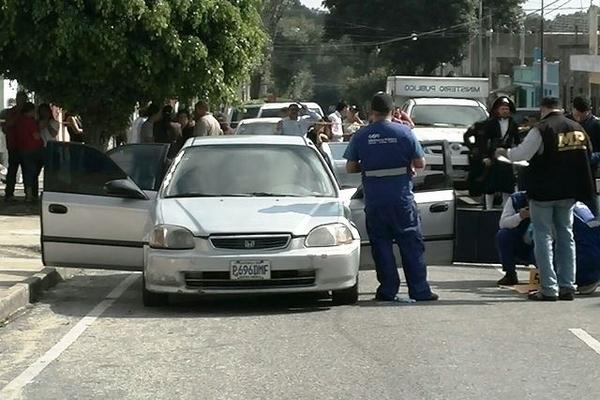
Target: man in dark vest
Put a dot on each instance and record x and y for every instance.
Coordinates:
(559, 151)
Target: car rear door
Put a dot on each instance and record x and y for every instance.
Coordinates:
(435, 200)
(83, 225)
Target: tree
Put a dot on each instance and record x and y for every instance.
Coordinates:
(98, 58)
(440, 31)
(506, 15)
(387, 26)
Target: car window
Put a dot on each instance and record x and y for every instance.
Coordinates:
(447, 115)
(276, 112)
(257, 128)
(245, 113)
(433, 177)
(144, 163)
(249, 170)
(77, 168)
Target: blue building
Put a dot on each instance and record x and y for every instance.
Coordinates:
(526, 80)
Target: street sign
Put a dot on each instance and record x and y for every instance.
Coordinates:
(425, 86)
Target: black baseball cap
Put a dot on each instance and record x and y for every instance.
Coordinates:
(382, 103)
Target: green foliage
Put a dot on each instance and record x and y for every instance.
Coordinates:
(443, 29)
(361, 89)
(98, 58)
(506, 14)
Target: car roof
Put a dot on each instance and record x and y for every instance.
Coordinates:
(257, 139)
(447, 102)
(249, 121)
(287, 104)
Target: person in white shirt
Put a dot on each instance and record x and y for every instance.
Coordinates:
(134, 134)
(337, 119)
(295, 124)
(206, 123)
(147, 130)
(49, 127)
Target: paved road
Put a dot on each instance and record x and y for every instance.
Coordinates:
(479, 342)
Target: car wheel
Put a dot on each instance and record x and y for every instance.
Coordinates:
(346, 296)
(151, 299)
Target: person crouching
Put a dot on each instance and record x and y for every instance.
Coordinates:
(514, 240)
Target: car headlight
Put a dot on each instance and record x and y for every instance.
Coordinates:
(329, 235)
(171, 237)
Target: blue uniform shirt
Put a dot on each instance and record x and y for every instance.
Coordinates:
(385, 146)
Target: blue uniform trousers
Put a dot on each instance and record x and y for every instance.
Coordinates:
(397, 222)
(512, 249)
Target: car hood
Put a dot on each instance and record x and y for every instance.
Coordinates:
(208, 216)
(452, 135)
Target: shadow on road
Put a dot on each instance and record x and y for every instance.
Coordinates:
(80, 294)
(18, 208)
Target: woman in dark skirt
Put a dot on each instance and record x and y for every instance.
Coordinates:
(500, 130)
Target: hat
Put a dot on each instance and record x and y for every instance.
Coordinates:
(382, 103)
(504, 101)
(550, 102)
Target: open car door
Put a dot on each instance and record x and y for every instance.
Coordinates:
(96, 207)
(435, 198)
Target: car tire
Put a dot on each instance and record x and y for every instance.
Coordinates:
(151, 299)
(345, 296)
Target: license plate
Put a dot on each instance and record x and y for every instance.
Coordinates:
(250, 270)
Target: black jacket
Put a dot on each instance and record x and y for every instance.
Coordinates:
(494, 139)
(563, 170)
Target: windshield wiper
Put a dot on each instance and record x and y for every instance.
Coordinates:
(206, 195)
(269, 194)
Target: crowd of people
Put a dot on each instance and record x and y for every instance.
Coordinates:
(552, 186)
(163, 125)
(28, 129)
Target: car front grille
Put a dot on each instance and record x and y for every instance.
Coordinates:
(279, 279)
(251, 242)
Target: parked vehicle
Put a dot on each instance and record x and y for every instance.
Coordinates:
(274, 110)
(257, 126)
(237, 214)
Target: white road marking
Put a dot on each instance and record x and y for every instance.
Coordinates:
(587, 339)
(14, 389)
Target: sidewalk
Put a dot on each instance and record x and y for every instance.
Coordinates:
(22, 275)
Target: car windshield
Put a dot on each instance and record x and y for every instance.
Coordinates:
(244, 113)
(276, 112)
(249, 171)
(257, 128)
(430, 179)
(447, 115)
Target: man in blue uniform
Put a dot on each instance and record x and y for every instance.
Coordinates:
(386, 154)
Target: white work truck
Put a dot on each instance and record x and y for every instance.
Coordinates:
(442, 109)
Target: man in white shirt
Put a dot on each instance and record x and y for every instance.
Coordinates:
(336, 119)
(206, 123)
(295, 124)
(134, 134)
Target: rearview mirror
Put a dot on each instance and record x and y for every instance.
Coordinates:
(124, 188)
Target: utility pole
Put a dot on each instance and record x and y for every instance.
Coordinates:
(490, 34)
(542, 55)
(480, 42)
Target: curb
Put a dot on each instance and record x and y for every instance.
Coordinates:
(27, 292)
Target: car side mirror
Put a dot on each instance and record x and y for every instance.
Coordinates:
(124, 188)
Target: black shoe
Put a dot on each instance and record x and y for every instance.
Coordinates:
(510, 279)
(566, 295)
(432, 297)
(539, 296)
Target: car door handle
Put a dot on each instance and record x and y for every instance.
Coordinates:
(439, 207)
(57, 209)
